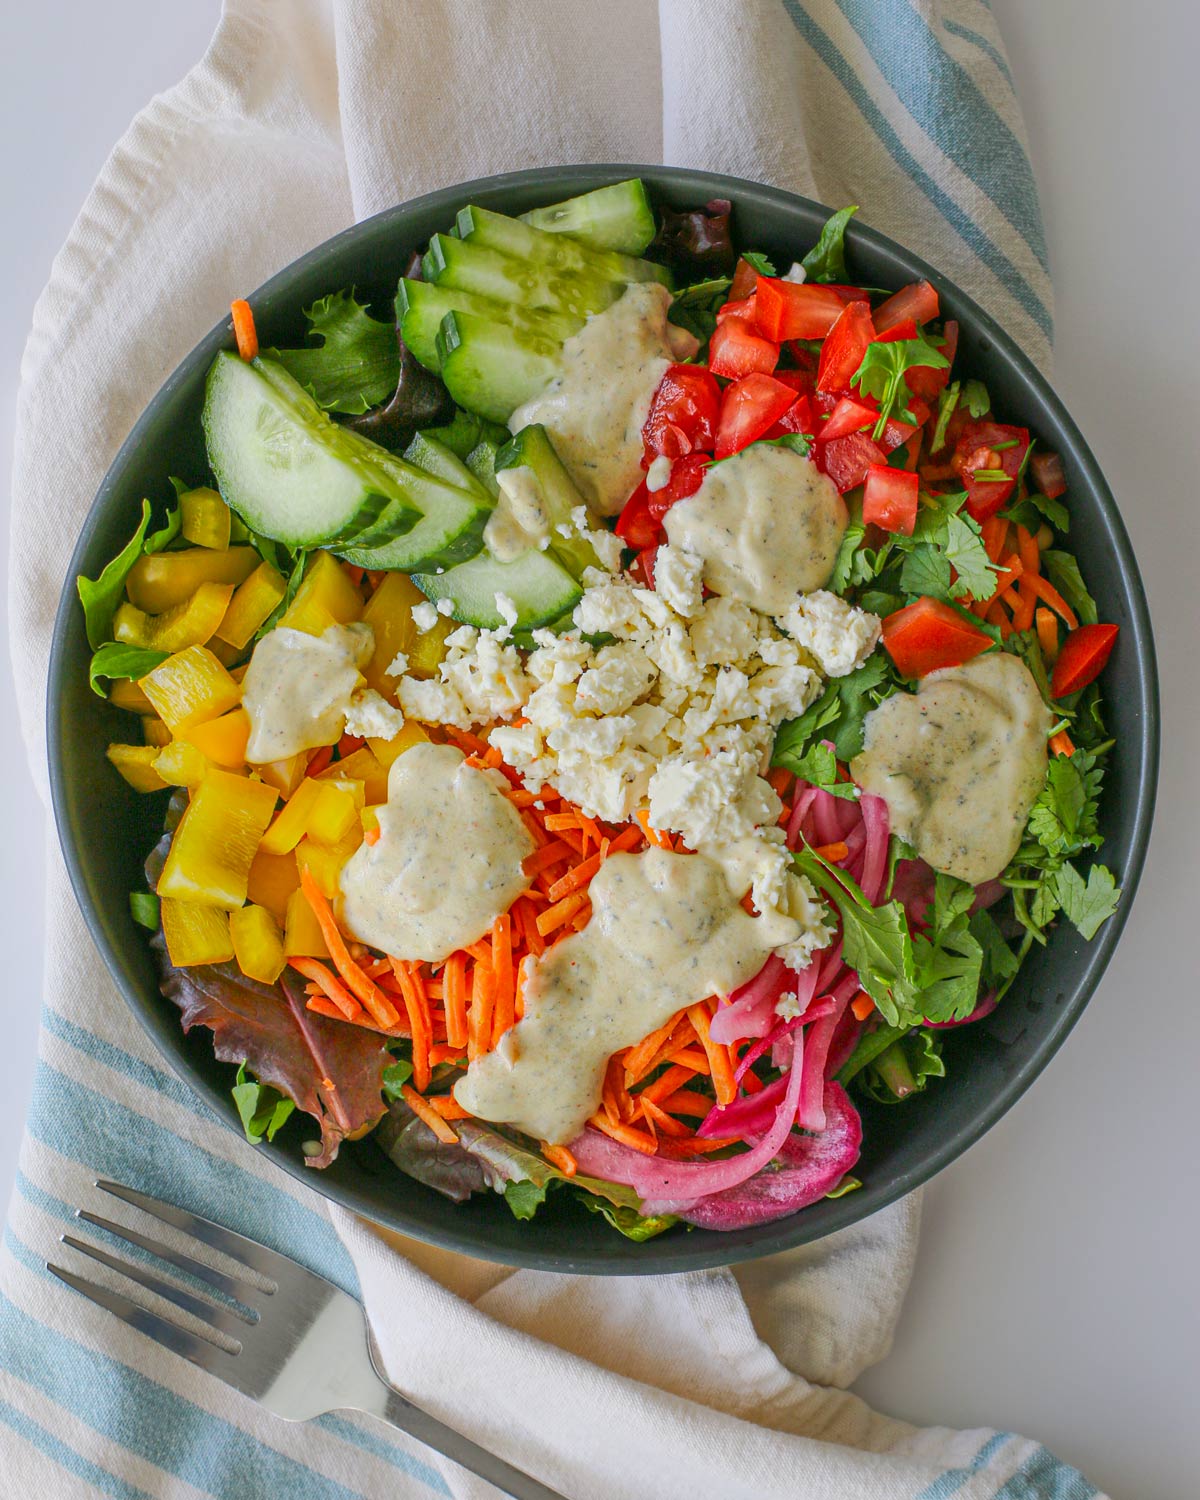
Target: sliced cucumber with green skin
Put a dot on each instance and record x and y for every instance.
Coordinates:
(616, 217)
(527, 284)
(287, 470)
(490, 368)
(531, 449)
(540, 588)
(421, 306)
(482, 463)
(524, 242)
(427, 452)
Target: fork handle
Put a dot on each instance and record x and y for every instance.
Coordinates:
(398, 1411)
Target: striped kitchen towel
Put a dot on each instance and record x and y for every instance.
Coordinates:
(302, 116)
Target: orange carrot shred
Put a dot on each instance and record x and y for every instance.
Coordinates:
(1048, 594)
(660, 1119)
(455, 981)
(504, 1007)
(554, 916)
(243, 328)
(1047, 632)
(364, 990)
(862, 1005)
(667, 1083)
(314, 969)
(1028, 548)
(560, 1157)
(428, 1115)
(690, 1057)
(718, 1056)
(573, 879)
(541, 859)
(372, 835)
(479, 1019)
(833, 852)
(1062, 743)
(638, 1060)
(658, 839)
(418, 1015)
(626, 1134)
(686, 1102)
(448, 1107)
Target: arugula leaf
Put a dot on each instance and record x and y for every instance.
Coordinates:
(101, 596)
(263, 1110)
(116, 660)
(1087, 905)
(144, 909)
(881, 374)
(525, 1197)
(818, 765)
(633, 1225)
(905, 1067)
(1065, 576)
(826, 261)
(356, 363)
(975, 394)
(947, 402)
(759, 262)
(395, 1076)
(967, 554)
(926, 570)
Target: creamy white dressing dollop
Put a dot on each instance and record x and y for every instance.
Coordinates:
(595, 408)
(959, 763)
(666, 931)
(447, 861)
(298, 687)
(520, 521)
(767, 524)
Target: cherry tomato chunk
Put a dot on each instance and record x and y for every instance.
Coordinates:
(843, 350)
(847, 459)
(736, 348)
(683, 413)
(1082, 658)
(926, 636)
(795, 310)
(749, 407)
(890, 499)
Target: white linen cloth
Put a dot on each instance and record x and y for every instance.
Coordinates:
(301, 118)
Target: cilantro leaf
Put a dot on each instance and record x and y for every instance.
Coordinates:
(948, 971)
(826, 261)
(905, 1067)
(1035, 509)
(947, 402)
(395, 1076)
(263, 1110)
(818, 766)
(1087, 905)
(975, 394)
(1063, 819)
(844, 562)
(926, 570)
(967, 554)
(356, 363)
(525, 1198)
(881, 374)
(115, 660)
(100, 596)
(1067, 579)
(1000, 963)
(758, 262)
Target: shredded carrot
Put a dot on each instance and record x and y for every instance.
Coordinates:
(560, 1157)
(659, 840)
(504, 1008)
(372, 835)
(1028, 548)
(995, 535)
(1048, 594)
(833, 852)
(448, 1107)
(690, 1057)
(573, 879)
(319, 759)
(314, 969)
(688, 1102)
(418, 1016)
(626, 1134)
(243, 328)
(532, 938)
(541, 859)
(661, 1120)
(1047, 632)
(554, 916)
(1026, 604)
(455, 982)
(628, 838)
(996, 615)
(469, 743)
(364, 990)
(445, 1054)
(479, 1020)
(665, 1084)
(557, 822)
(862, 1005)
(718, 1056)
(348, 744)
(1062, 743)
(427, 1115)
(639, 1059)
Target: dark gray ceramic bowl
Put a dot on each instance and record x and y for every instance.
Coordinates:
(106, 828)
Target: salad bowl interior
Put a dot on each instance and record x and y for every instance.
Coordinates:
(105, 827)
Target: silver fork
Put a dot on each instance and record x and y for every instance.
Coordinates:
(300, 1348)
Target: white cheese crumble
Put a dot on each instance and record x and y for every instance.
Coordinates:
(445, 606)
(795, 272)
(839, 635)
(425, 615)
(370, 715)
(398, 665)
(677, 578)
(507, 611)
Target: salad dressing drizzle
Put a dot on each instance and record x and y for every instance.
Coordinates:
(298, 686)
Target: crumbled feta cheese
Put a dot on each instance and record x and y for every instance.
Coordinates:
(506, 609)
(445, 606)
(607, 546)
(677, 578)
(658, 475)
(425, 614)
(398, 665)
(795, 272)
(370, 715)
(839, 635)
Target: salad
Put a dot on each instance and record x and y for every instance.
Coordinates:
(611, 717)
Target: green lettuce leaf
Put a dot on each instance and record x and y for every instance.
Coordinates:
(263, 1110)
(1064, 574)
(356, 363)
(826, 261)
(114, 660)
(101, 596)
(633, 1225)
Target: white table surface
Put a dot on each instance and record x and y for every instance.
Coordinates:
(1056, 1293)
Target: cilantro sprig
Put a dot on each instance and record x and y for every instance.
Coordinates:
(881, 374)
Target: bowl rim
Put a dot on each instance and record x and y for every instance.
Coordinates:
(670, 1255)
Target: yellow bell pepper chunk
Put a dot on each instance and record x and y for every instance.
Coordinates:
(205, 518)
(188, 624)
(302, 937)
(136, 764)
(195, 934)
(224, 652)
(181, 764)
(369, 817)
(251, 605)
(325, 861)
(386, 751)
(288, 828)
(273, 878)
(159, 581)
(326, 597)
(285, 775)
(217, 839)
(257, 943)
(334, 813)
(129, 695)
(154, 731)
(361, 766)
(223, 740)
(189, 688)
(389, 614)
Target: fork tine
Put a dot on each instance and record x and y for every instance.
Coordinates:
(241, 1291)
(268, 1263)
(208, 1356)
(207, 1312)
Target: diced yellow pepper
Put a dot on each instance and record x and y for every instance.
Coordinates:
(136, 764)
(363, 765)
(285, 775)
(389, 613)
(205, 518)
(189, 688)
(181, 764)
(195, 934)
(129, 695)
(325, 861)
(302, 937)
(154, 731)
(386, 751)
(160, 580)
(257, 943)
(288, 828)
(273, 878)
(224, 652)
(251, 604)
(188, 624)
(369, 817)
(223, 740)
(326, 597)
(217, 839)
(334, 813)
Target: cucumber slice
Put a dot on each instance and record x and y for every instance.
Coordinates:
(490, 368)
(428, 452)
(453, 513)
(524, 242)
(421, 306)
(527, 284)
(482, 463)
(539, 587)
(531, 449)
(616, 217)
(283, 466)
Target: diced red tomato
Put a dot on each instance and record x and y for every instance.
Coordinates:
(849, 415)
(748, 408)
(635, 525)
(918, 302)
(1082, 658)
(897, 432)
(641, 569)
(737, 349)
(745, 279)
(683, 413)
(687, 474)
(795, 310)
(989, 445)
(742, 307)
(926, 382)
(842, 352)
(847, 459)
(801, 416)
(928, 635)
(805, 358)
(890, 499)
(1048, 474)
(801, 381)
(905, 329)
(848, 293)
